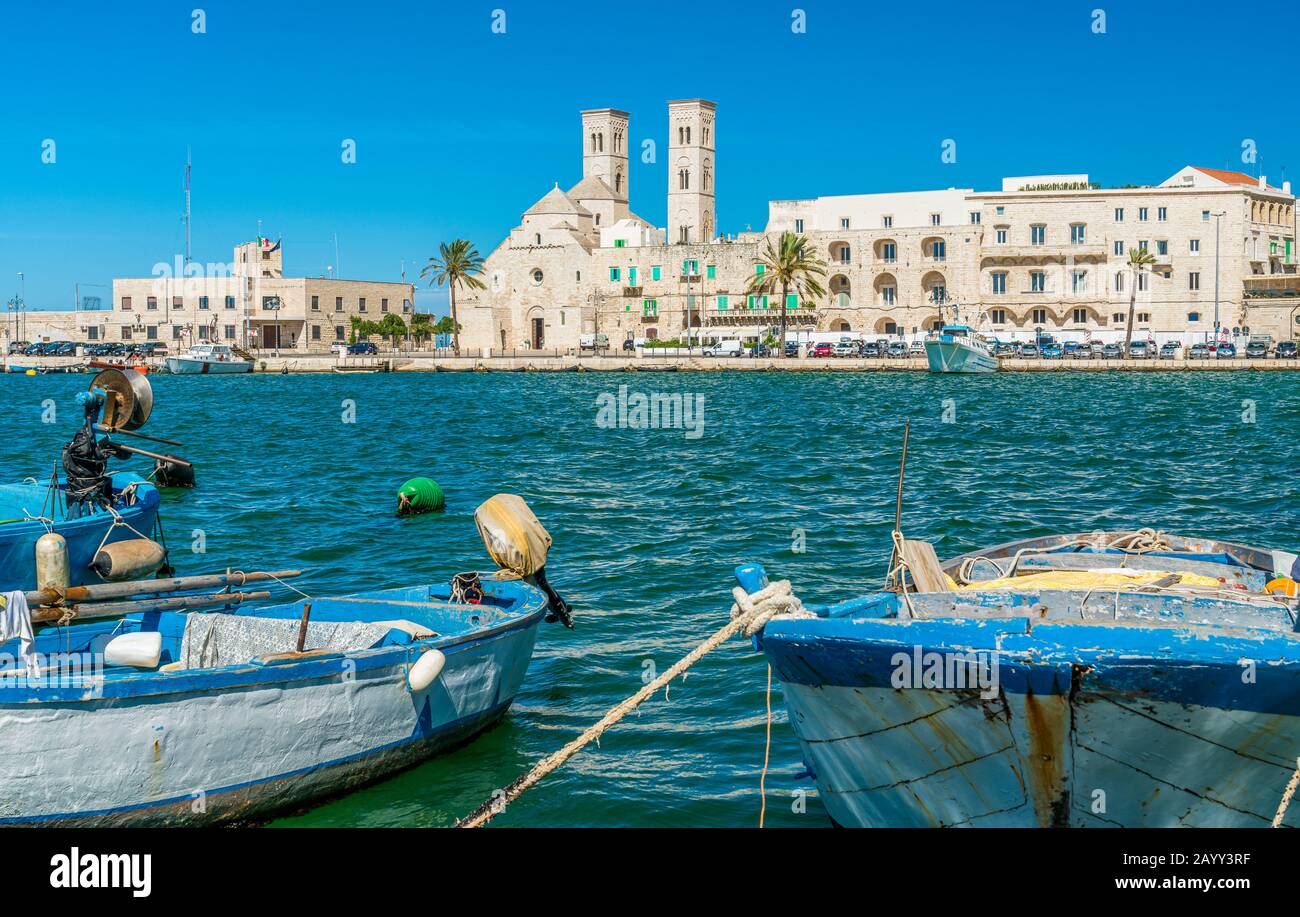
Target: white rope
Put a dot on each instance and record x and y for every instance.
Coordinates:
(764, 604)
(1286, 797)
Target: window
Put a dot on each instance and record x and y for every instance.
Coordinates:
(1142, 214)
(151, 303)
(270, 302)
(1001, 211)
(1080, 316)
(203, 302)
(538, 276)
(759, 268)
(315, 332)
(1079, 281)
(889, 295)
(126, 303)
(620, 243)
(1193, 316)
(203, 332)
(1205, 216)
(361, 304)
(1037, 281)
(1162, 214)
(711, 271)
(338, 332)
(631, 276)
(338, 303)
(383, 305)
(1194, 280)
(615, 274)
(1000, 236)
(126, 332)
(889, 252)
(1119, 246)
(151, 333)
(1162, 246)
(938, 250)
(654, 272)
(844, 222)
(649, 307)
(92, 333)
(998, 316)
(176, 332)
(315, 304)
(792, 300)
(230, 332)
(1117, 317)
(975, 217)
(722, 303)
(1119, 214)
(887, 222)
(1194, 246)
(1078, 233)
(230, 302)
(999, 281)
(1144, 281)
(691, 268)
(1142, 243)
(178, 302)
(936, 219)
(406, 303)
(1037, 234)
(758, 302)
(798, 226)
(1144, 317)
(1119, 282)
(1038, 316)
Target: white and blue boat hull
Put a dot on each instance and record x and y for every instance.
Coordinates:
(954, 356)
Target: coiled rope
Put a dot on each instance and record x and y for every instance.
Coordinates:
(748, 615)
(1141, 541)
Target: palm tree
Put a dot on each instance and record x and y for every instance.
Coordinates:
(790, 264)
(1138, 258)
(456, 264)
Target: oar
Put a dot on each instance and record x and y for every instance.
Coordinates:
(100, 591)
(47, 613)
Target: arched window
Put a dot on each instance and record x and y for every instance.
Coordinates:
(684, 179)
(618, 181)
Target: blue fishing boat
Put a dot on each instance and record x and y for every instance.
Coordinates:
(167, 718)
(30, 510)
(1128, 679)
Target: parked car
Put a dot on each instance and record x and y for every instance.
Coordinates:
(916, 349)
(821, 350)
(1027, 351)
(1082, 352)
(1198, 352)
(1169, 350)
(1256, 350)
(1051, 351)
(1226, 351)
(1005, 349)
(897, 349)
(66, 349)
(1286, 350)
(792, 348)
(845, 349)
(1070, 349)
(870, 349)
(1140, 350)
(17, 347)
(1112, 351)
(362, 347)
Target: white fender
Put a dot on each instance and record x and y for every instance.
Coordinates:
(141, 650)
(52, 569)
(425, 670)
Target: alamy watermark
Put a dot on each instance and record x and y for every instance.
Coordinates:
(653, 411)
(946, 671)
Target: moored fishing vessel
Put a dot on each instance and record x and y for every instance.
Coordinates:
(1110, 678)
(205, 359)
(959, 349)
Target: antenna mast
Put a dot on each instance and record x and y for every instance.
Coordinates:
(187, 206)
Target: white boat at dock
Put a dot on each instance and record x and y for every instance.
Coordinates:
(205, 359)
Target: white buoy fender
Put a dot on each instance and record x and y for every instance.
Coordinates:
(141, 650)
(425, 670)
(52, 568)
(135, 558)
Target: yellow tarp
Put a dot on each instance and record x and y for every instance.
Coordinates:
(1087, 579)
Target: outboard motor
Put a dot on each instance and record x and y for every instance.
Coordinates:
(519, 544)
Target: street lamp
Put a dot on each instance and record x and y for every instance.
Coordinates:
(1216, 270)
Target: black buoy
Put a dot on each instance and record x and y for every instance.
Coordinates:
(170, 474)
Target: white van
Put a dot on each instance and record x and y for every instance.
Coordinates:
(725, 349)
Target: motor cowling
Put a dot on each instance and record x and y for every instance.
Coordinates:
(519, 544)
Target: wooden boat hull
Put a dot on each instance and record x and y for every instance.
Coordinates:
(242, 743)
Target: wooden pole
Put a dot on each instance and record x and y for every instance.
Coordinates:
(101, 591)
(48, 613)
(898, 500)
(302, 625)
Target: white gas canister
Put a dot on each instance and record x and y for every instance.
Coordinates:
(52, 568)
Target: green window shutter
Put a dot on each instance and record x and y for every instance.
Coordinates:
(792, 301)
(618, 243)
(654, 272)
(711, 271)
(631, 276)
(722, 304)
(613, 273)
(759, 268)
(764, 302)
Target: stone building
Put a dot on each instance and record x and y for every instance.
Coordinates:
(1045, 253)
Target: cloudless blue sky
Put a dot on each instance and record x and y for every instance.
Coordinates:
(458, 130)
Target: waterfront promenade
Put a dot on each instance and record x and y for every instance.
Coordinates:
(428, 362)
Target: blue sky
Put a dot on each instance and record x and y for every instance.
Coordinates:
(458, 129)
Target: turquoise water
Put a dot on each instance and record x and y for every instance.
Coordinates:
(648, 524)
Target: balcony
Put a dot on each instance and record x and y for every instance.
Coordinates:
(690, 278)
(632, 291)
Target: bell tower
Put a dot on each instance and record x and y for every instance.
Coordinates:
(604, 148)
(691, 213)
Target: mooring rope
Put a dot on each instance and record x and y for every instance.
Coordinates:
(748, 615)
(1286, 796)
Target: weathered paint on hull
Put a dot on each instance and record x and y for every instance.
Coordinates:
(241, 756)
(1116, 739)
(955, 357)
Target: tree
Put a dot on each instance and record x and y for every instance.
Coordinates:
(361, 328)
(790, 264)
(457, 264)
(1138, 258)
(420, 326)
(445, 326)
(391, 326)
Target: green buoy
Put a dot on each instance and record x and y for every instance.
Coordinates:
(420, 495)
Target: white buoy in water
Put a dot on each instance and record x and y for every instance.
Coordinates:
(52, 568)
(141, 650)
(425, 670)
